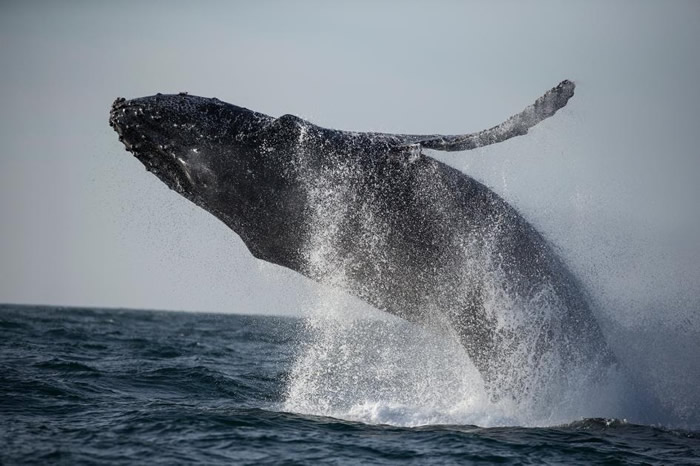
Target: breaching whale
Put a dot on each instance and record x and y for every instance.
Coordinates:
(372, 214)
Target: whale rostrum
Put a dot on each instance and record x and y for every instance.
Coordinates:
(372, 214)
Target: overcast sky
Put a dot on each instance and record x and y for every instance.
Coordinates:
(611, 180)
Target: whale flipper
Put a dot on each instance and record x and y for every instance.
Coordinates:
(517, 125)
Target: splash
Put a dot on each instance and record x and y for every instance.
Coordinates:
(417, 371)
(384, 370)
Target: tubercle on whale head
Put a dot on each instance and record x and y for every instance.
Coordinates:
(149, 146)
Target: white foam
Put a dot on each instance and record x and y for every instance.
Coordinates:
(388, 371)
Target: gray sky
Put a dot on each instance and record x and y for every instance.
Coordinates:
(610, 180)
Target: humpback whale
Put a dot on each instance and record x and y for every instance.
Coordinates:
(374, 215)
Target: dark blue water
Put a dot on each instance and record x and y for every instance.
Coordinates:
(83, 386)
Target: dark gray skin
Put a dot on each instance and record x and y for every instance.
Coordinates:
(373, 215)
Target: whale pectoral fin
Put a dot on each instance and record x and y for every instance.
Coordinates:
(517, 125)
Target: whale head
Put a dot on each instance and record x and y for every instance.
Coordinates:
(219, 156)
(184, 140)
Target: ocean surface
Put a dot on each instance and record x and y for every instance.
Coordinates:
(93, 386)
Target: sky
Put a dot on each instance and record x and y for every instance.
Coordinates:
(610, 180)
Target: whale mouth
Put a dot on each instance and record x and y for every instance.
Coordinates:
(138, 129)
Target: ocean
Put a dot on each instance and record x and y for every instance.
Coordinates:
(105, 386)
